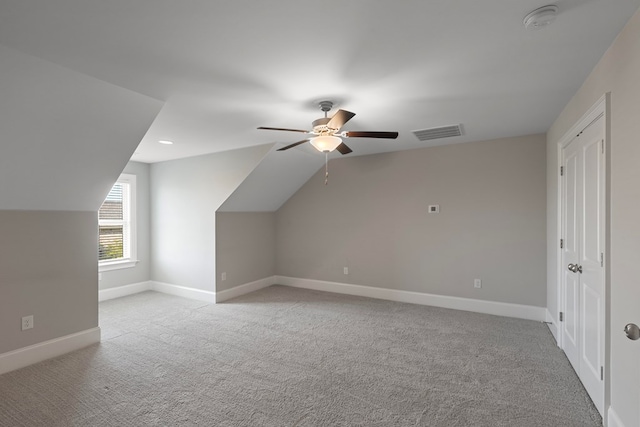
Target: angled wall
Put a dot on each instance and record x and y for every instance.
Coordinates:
(185, 195)
(64, 137)
(283, 172)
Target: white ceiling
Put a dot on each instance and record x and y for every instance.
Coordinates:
(225, 67)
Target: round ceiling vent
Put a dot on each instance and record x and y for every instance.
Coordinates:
(540, 17)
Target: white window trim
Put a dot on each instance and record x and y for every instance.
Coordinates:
(116, 265)
(132, 260)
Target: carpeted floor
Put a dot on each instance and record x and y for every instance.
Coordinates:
(291, 357)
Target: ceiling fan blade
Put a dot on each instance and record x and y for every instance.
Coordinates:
(343, 149)
(340, 118)
(295, 144)
(365, 134)
(285, 129)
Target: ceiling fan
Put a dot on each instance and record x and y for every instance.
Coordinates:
(326, 131)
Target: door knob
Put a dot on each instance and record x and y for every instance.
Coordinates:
(632, 331)
(575, 268)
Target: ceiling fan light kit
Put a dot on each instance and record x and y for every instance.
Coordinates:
(326, 143)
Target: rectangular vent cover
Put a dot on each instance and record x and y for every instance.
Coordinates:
(437, 133)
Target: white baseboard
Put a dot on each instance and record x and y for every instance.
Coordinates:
(245, 289)
(457, 303)
(612, 419)
(26, 356)
(520, 311)
(166, 288)
(183, 291)
(552, 325)
(122, 291)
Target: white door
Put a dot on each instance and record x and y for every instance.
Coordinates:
(571, 254)
(583, 276)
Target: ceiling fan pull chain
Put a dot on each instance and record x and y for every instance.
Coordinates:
(326, 168)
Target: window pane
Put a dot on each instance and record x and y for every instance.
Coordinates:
(116, 223)
(111, 241)
(112, 207)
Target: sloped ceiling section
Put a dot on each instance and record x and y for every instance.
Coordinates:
(278, 176)
(64, 136)
(226, 67)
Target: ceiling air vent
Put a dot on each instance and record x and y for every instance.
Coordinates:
(437, 133)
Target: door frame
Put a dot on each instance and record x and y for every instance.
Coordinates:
(600, 108)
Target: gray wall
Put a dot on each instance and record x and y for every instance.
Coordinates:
(48, 269)
(245, 247)
(185, 195)
(139, 273)
(617, 72)
(372, 218)
(64, 139)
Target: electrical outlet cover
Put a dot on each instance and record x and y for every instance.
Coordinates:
(27, 322)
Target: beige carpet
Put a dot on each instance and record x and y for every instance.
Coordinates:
(292, 357)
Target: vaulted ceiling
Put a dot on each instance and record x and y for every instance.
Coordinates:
(223, 68)
(87, 84)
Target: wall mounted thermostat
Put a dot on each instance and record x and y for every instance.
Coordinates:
(434, 208)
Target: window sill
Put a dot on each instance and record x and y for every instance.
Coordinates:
(116, 265)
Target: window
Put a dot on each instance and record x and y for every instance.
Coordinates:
(117, 226)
